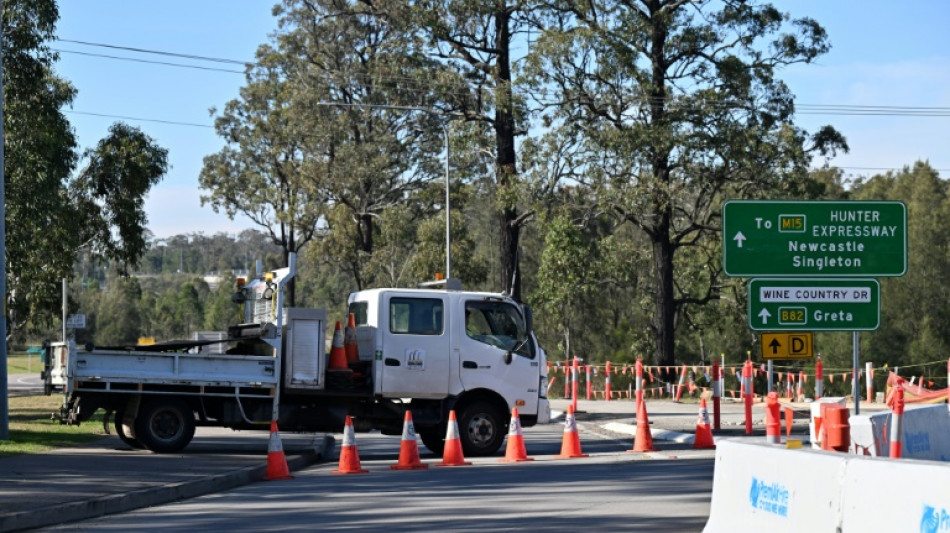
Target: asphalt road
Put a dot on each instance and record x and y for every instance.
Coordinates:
(611, 490)
(24, 384)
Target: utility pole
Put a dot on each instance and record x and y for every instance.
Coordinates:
(4, 393)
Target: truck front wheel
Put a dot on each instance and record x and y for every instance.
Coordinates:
(434, 439)
(165, 425)
(481, 429)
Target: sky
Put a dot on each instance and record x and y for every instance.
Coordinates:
(884, 53)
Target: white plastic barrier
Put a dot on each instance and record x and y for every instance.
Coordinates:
(895, 495)
(926, 433)
(758, 487)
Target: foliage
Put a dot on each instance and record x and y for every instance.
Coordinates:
(667, 109)
(49, 218)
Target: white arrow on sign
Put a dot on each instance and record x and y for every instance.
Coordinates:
(765, 315)
(739, 238)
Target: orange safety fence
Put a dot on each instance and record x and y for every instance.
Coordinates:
(914, 393)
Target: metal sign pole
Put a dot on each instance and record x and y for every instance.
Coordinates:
(854, 373)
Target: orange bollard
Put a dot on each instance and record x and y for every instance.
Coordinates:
(679, 387)
(747, 395)
(773, 434)
(897, 424)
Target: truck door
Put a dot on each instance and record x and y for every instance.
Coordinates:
(496, 352)
(415, 347)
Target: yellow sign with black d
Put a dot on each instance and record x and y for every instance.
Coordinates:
(787, 346)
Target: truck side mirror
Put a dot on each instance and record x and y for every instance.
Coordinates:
(528, 318)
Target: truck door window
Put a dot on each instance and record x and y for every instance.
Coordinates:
(416, 316)
(498, 324)
(359, 310)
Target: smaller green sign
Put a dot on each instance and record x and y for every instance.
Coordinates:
(819, 304)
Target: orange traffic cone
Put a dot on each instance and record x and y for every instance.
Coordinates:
(349, 341)
(515, 452)
(349, 456)
(571, 444)
(703, 439)
(337, 352)
(276, 460)
(452, 456)
(408, 448)
(643, 442)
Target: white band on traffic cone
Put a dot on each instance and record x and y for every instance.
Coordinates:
(515, 428)
(349, 436)
(570, 424)
(274, 445)
(452, 432)
(703, 416)
(408, 431)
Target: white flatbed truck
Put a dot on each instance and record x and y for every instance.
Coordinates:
(427, 350)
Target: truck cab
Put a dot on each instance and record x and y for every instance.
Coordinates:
(471, 352)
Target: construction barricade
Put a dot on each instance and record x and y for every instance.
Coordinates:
(758, 487)
(925, 433)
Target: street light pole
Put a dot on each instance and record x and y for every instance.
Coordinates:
(445, 136)
(448, 219)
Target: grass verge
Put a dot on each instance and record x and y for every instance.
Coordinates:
(32, 430)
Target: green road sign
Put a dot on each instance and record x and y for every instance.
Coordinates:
(814, 304)
(814, 238)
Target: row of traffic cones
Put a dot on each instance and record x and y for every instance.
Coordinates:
(344, 350)
(453, 456)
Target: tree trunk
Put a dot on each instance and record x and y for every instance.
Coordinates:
(665, 309)
(506, 159)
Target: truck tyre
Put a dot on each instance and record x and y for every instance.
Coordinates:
(434, 439)
(121, 432)
(482, 429)
(165, 425)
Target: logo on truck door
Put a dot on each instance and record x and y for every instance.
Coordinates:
(415, 359)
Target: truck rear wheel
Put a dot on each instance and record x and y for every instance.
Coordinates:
(482, 429)
(120, 430)
(165, 425)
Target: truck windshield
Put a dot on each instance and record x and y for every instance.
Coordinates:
(498, 324)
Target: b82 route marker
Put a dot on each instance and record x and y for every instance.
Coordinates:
(810, 304)
(814, 238)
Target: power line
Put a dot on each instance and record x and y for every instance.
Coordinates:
(802, 109)
(140, 119)
(136, 60)
(157, 52)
